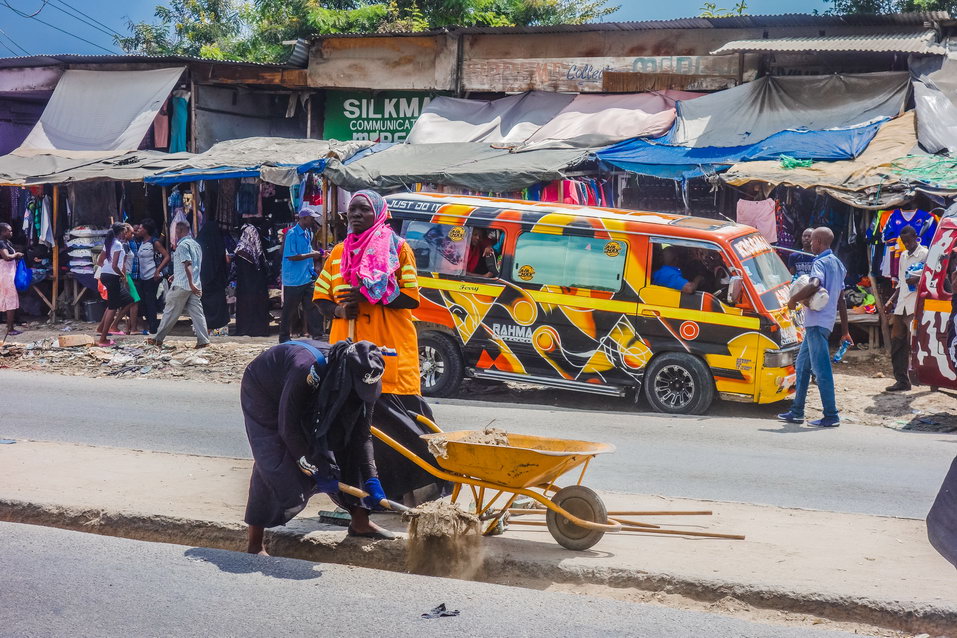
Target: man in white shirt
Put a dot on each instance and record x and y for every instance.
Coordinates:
(902, 303)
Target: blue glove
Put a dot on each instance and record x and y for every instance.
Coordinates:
(376, 494)
(327, 485)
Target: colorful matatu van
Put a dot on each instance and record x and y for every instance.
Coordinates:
(585, 299)
(934, 333)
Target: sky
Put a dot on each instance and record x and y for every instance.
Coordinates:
(89, 31)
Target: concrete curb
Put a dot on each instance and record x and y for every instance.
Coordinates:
(500, 565)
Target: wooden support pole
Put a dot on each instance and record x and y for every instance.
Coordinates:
(56, 253)
(166, 216)
(885, 330)
(194, 189)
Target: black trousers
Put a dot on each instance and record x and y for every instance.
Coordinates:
(149, 304)
(900, 347)
(292, 298)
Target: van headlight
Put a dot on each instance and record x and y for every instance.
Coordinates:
(779, 358)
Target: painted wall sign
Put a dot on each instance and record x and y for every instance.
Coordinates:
(385, 116)
(583, 74)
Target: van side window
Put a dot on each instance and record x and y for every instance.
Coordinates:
(570, 261)
(438, 248)
(689, 267)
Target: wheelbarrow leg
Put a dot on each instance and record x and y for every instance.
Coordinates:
(493, 523)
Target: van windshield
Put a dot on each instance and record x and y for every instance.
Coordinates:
(765, 269)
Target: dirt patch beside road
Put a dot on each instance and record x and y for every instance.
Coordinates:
(860, 381)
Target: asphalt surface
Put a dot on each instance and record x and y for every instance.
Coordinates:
(854, 468)
(60, 583)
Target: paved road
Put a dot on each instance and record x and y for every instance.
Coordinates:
(855, 468)
(59, 583)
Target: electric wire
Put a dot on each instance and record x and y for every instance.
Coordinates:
(72, 35)
(28, 15)
(15, 43)
(8, 48)
(84, 18)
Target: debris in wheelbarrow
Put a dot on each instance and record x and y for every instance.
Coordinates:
(444, 540)
(438, 445)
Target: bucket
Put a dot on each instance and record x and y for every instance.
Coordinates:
(93, 310)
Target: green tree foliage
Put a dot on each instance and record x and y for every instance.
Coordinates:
(255, 29)
(847, 7)
(711, 10)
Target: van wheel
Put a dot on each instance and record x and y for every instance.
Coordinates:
(440, 365)
(679, 383)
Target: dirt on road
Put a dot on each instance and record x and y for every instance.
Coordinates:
(860, 380)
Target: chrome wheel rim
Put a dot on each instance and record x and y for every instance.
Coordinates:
(431, 366)
(674, 386)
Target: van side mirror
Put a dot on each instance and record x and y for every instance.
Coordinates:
(735, 289)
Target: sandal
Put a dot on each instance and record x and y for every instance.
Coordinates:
(14, 333)
(106, 344)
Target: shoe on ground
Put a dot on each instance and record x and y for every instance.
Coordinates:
(200, 346)
(826, 422)
(898, 387)
(788, 417)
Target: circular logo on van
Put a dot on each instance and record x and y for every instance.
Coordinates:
(456, 233)
(613, 249)
(689, 330)
(526, 273)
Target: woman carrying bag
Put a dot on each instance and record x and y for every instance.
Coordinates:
(114, 279)
(9, 257)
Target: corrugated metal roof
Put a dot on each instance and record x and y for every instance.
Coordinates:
(920, 42)
(912, 19)
(70, 58)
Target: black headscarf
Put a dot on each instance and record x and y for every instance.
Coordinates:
(351, 384)
(213, 275)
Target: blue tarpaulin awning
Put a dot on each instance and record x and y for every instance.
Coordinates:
(647, 157)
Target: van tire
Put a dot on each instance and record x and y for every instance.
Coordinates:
(440, 365)
(679, 383)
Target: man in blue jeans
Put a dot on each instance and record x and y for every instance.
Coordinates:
(298, 277)
(827, 272)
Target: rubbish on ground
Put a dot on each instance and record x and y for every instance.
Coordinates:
(440, 612)
(7, 441)
(444, 540)
(71, 341)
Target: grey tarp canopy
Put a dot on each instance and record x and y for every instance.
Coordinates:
(935, 98)
(868, 181)
(754, 111)
(474, 166)
(278, 160)
(133, 166)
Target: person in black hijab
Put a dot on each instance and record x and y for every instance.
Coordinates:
(214, 275)
(252, 283)
(306, 405)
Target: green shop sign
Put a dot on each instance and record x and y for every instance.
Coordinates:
(384, 116)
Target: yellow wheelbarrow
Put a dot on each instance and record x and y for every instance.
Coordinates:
(528, 466)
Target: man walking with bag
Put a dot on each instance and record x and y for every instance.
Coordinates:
(186, 291)
(827, 273)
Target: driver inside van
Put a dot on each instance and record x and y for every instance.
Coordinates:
(482, 257)
(669, 274)
(699, 263)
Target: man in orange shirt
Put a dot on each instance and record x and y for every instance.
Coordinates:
(370, 280)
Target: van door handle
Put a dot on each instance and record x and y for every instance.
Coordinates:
(650, 313)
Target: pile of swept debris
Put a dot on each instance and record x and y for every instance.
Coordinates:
(220, 362)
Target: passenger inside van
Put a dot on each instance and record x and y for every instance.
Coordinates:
(669, 274)
(483, 257)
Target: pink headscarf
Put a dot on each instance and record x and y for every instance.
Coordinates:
(370, 260)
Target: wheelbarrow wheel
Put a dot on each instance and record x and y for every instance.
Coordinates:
(584, 503)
